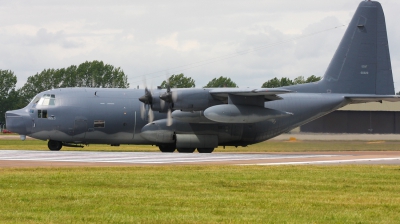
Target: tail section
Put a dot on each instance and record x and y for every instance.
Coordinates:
(361, 64)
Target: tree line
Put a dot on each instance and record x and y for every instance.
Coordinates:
(87, 74)
(181, 81)
(100, 75)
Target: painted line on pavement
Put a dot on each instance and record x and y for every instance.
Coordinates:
(322, 162)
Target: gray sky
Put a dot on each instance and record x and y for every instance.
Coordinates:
(249, 41)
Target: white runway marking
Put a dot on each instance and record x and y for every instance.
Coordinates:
(141, 157)
(325, 162)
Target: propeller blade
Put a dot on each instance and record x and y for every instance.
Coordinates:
(151, 115)
(174, 96)
(142, 111)
(144, 82)
(168, 84)
(169, 118)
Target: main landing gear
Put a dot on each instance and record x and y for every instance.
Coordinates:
(167, 148)
(205, 150)
(186, 150)
(171, 148)
(54, 145)
(57, 145)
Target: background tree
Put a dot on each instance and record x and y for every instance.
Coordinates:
(313, 78)
(7, 92)
(179, 81)
(221, 82)
(88, 74)
(7, 82)
(272, 83)
(299, 80)
(275, 82)
(286, 81)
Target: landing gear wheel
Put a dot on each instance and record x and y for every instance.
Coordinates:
(167, 148)
(186, 150)
(54, 145)
(205, 150)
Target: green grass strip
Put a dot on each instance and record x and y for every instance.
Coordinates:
(201, 194)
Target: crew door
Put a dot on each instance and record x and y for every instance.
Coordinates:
(80, 128)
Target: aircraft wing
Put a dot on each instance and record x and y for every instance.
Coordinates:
(268, 93)
(372, 98)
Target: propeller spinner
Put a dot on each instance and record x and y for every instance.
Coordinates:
(147, 98)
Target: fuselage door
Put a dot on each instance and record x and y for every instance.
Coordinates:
(80, 128)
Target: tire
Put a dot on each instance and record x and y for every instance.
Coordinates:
(167, 148)
(186, 150)
(54, 145)
(205, 150)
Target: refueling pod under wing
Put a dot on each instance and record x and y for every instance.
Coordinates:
(231, 113)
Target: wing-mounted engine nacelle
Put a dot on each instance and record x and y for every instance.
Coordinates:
(192, 99)
(153, 98)
(179, 99)
(157, 103)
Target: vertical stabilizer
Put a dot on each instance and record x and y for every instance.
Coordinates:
(361, 63)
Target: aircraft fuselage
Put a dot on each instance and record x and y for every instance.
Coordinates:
(113, 116)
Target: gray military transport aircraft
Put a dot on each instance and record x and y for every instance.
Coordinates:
(203, 119)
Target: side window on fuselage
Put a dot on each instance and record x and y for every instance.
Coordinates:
(42, 113)
(99, 124)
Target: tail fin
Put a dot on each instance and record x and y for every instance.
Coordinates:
(361, 64)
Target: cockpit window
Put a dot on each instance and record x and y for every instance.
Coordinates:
(36, 100)
(47, 99)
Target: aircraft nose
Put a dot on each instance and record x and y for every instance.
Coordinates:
(16, 121)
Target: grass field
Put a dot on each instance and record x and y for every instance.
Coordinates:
(204, 194)
(201, 194)
(267, 146)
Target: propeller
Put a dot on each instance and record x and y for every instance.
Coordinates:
(146, 108)
(167, 97)
(147, 100)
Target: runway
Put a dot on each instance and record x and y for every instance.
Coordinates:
(29, 158)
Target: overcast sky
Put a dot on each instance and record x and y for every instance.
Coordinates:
(249, 41)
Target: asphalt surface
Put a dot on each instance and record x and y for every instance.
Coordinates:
(306, 137)
(29, 158)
